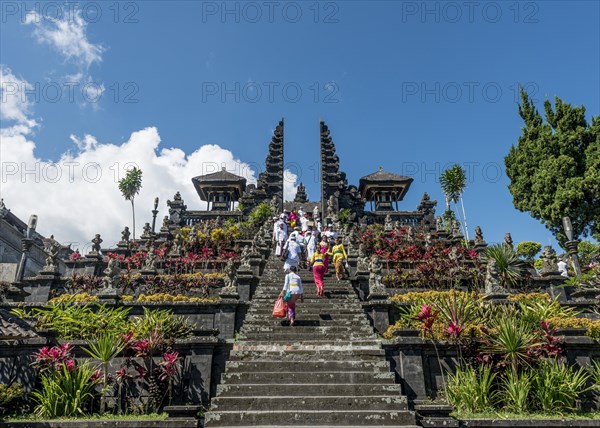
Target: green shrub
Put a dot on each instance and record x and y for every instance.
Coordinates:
(515, 391)
(9, 393)
(510, 267)
(66, 392)
(470, 390)
(169, 325)
(528, 249)
(260, 214)
(557, 386)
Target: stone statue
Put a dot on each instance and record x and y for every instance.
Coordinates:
(274, 204)
(388, 225)
(2, 206)
(456, 229)
(428, 241)
(493, 283)
(454, 255)
(125, 234)
(177, 196)
(52, 259)
(165, 223)
(316, 213)
(478, 241)
(96, 244)
(549, 261)
(150, 262)
(508, 242)
(375, 268)
(362, 262)
(245, 258)
(331, 211)
(439, 224)
(177, 245)
(230, 277)
(147, 231)
(410, 234)
(111, 274)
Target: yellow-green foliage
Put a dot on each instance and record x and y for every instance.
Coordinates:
(164, 297)
(73, 298)
(430, 296)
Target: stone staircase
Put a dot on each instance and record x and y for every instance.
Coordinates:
(327, 370)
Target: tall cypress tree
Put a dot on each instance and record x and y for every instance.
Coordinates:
(554, 169)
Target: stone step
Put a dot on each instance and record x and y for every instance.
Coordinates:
(309, 390)
(268, 320)
(265, 346)
(309, 355)
(289, 378)
(295, 403)
(331, 329)
(285, 365)
(298, 336)
(325, 417)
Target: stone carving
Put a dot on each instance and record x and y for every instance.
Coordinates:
(52, 259)
(508, 242)
(493, 283)
(150, 261)
(274, 204)
(549, 261)
(439, 224)
(331, 207)
(230, 276)
(388, 225)
(427, 207)
(3, 209)
(147, 231)
(375, 268)
(96, 244)
(125, 234)
(479, 241)
(176, 209)
(165, 223)
(410, 234)
(177, 245)
(245, 258)
(428, 241)
(111, 274)
(456, 233)
(2, 206)
(362, 263)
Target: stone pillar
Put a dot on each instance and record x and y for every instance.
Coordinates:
(362, 282)
(244, 283)
(255, 264)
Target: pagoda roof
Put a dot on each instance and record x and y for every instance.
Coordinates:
(384, 180)
(223, 178)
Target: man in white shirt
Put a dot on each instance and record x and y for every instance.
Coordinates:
(304, 220)
(280, 239)
(330, 233)
(293, 257)
(311, 244)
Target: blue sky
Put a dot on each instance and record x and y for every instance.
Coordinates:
(410, 86)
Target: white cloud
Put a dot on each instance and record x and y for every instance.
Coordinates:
(67, 36)
(13, 99)
(77, 196)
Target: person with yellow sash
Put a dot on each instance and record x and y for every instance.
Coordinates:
(317, 261)
(339, 257)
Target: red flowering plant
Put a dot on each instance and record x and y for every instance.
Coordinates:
(84, 283)
(53, 358)
(140, 365)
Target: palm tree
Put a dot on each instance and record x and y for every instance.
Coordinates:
(129, 187)
(453, 182)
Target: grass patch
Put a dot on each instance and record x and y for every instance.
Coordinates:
(105, 417)
(533, 415)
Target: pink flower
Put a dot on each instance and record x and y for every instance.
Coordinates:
(425, 312)
(96, 376)
(70, 365)
(171, 357)
(454, 330)
(141, 371)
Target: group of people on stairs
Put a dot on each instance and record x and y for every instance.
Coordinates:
(302, 245)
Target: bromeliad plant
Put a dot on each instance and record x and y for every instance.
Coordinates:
(68, 387)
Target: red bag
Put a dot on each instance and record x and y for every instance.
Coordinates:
(280, 309)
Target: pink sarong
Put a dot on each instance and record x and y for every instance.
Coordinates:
(318, 272)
